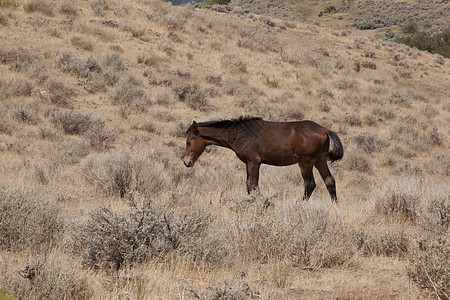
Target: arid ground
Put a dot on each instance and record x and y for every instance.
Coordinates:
(95, 202)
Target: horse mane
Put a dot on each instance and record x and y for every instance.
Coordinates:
(226, 123)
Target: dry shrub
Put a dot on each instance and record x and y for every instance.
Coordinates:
(400, 200)
(233, 64)
(403, 131)
(69, 8)
(164, 98)
(397, 97)
(6, 124)
(323, 93)
(250, 39)
(435, 212)
(108, 240)
(193, 95)
(3, 20)
(136, 31)
(27, 220)
(42, 6)
(147, 126)
(333, 249)
(75, 123)
(381, 241)
(111, 172)
(238, 291)
(120, 173)
(113, 66)
(97, 72)
(235, 87)
(346, 83)
(180, 129)
(352, 119)
(369, 143)
(67, 62)
(357, 162)
(24, 113)
(174, 23)
(369, 65)
(70, 151)
(429, 265)
(404, 73)
(89, 126)
(215, 79)
(40, 73)
(98, 6)
(60, 93)
(303, 235)
(292, 56)
(50, 278)
(383, 113)
(82, 43)
(15, 87)
(131, 93)
(150, 59)
(18, 59)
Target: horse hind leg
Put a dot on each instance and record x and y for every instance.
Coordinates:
(308, 179)
(325, 173)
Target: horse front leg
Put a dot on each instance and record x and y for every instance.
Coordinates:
(252, 176)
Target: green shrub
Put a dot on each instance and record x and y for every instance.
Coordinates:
(215, 2)
(39, 5)
(8, 3)
(29, 7)
(374, 22)
(410, 26)
(357, 66)
(439, 43)
(273, 83)
(4, 295)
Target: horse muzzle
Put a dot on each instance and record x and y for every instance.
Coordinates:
(188, 162)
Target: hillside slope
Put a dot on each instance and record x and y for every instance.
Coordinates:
(95, 100)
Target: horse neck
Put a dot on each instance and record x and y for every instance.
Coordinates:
(218, 136)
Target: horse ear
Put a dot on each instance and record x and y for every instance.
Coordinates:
(194, 128)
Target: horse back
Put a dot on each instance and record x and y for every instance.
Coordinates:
(285, 143)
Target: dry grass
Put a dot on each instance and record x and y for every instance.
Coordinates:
(97, 204)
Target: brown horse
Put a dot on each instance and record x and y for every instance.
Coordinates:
(257, 142)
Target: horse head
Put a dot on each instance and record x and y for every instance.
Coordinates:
(195, 145)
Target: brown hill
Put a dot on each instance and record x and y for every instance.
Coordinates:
(95, 100)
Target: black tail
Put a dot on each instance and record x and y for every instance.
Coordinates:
(335, 150)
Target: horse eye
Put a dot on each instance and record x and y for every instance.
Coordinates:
(188, 144)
